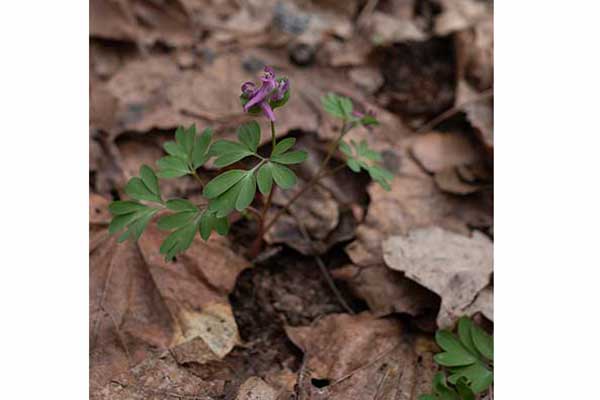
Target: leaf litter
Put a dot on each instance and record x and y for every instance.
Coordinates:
(211, 326)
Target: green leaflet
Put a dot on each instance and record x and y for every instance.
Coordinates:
(249, 135)
(187, 153)
(222, 183)
(264, 178)
(338, 106)
(291, 157)
(283, 146)
(247, 191)
(361, 157)
(283, 176)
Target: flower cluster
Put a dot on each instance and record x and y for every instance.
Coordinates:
(271, 94)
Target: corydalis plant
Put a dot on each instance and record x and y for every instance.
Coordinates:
(236, 189)
(467, 360)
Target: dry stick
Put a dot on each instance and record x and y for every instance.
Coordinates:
(322, 266)
(454, 110)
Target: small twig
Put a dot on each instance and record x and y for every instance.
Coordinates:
(455, 110)
(198, 178)
(322, 266)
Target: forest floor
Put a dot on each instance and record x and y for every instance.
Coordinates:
(214, 325)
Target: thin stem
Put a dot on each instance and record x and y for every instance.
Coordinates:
(198, 177)
(273, 138)
(321, 173)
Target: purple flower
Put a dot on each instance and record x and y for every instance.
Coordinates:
(270, 90)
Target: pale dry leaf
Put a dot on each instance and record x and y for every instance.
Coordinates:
(414, 201)
(254, 388)
(385, 30)
(484, 303)
(437, 151)
(454, 266)
(457, 15)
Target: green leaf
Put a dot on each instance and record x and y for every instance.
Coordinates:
(338, 106)
(291, 157)
(265, 178)
(150, 180)
(426, 397)
(353, 164)
(479, 378)
(174, 149)
(283, 176)
(464, 334)
(181, 205)
(178, 241)
(207, 222)
(172, 167)
(249, 135)
(369, 120)
(464, 391)
(200, 153)
(177, 220)
(225, 203)
(189, 139)
(381, 176)
(455, 354)
(441, 390)
(283, 146)
(228, 152)
(483, 342)
(119, 222)
(137, 227)
(247, 191)
(180, 136)
(222, 183)
(372, 155)
(136, 189)
(345, 148)
(222, 226)
(121, 207)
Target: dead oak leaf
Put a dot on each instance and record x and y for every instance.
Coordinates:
(363, 357)
(139, 303)
(454, 266)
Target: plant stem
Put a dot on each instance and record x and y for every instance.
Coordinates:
(321, 173)
(198, 178)
(273, 138)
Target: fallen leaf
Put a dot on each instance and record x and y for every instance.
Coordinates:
(387, 291)
(457, 15)
(361, 357)
(484, 303)
(140, 304)
(449, 181)
(385, 30)
(414, 201)
(254, 388)
(437, 151)
(454, 266)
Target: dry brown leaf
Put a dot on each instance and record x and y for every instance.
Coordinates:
(414, 201)
(362, 357)
(141, 21)
(386, 30)
(484, 303)
(139, 303)
(387, 291)
(455, 267)
(368, 79)
(160, 377)
(254, 388)
(438, 151)
(457, 15)
(449, 181)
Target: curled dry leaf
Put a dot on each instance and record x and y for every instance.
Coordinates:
(362, 357)
(450, 181)
(457, 15)
(139, 303)
(455, 267)
(385, 30)
(437, 151)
